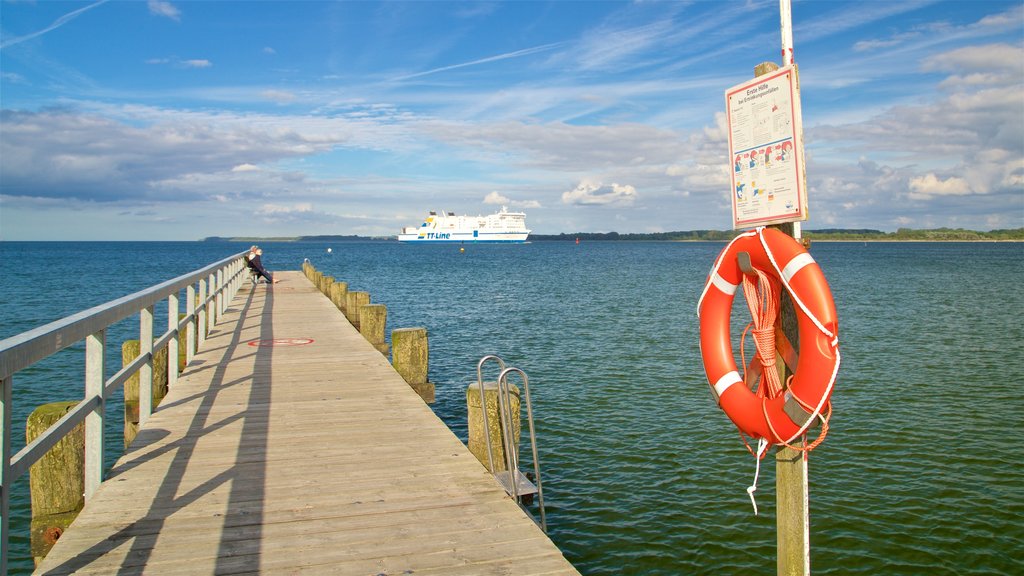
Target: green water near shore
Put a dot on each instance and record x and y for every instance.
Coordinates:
(643, 474)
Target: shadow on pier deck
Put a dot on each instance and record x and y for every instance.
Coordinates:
(290, 445)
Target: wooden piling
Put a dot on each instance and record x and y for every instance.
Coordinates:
(57, 480)
(479, 436)
(410, 354)
(339, 294)
(792, 521)
(129, 352)
(325, 285)
(372, 322)
(353, 302)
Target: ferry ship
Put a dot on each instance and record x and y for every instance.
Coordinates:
(503, 226)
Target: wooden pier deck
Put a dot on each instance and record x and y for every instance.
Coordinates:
(274, 456)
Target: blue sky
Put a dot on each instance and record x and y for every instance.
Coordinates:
(179, 120)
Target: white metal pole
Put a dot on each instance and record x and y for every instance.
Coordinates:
(786, 16)
(787, 32)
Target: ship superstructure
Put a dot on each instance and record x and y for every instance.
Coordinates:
(502, 226)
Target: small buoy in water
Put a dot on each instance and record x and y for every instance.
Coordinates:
(328, 250)
(461, 250)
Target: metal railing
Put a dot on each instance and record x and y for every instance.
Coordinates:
(207, 294)
(516, 484)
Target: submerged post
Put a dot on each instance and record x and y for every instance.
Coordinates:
(410, 353)
(479, 436)
(134, 411)
(372, 322)
(339, 294)
(57, 480)
(353, 302)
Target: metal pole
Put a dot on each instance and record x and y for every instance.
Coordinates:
(786, 16)
(787, 32)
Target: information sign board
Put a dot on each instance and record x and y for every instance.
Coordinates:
(766, 150)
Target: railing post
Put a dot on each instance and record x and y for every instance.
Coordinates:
(6, 482)
(201, 315)
(94, 344)
(190, 329)
(211, 307)
(221, 303)
(146, 371)
(172, 344)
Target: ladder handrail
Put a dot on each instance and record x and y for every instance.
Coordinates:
(506, 425)
(533, 437)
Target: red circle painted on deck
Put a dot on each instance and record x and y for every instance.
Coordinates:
(282, 342)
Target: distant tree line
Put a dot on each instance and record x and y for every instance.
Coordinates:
(902, 234)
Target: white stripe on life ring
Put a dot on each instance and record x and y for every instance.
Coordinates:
(724, 285)
(725, 381)
(795, 265)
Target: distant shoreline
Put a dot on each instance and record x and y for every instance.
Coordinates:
(828, 235)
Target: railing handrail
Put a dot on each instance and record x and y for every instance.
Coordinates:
(218, 282)
(23, 350)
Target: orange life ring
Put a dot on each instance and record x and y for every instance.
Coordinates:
(785, 260)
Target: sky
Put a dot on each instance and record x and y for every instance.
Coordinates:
(172, 120)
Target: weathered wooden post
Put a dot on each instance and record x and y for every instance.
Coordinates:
(57, 480)
(129, 352)
(372, 322)
(339, 294)
(410, 353)
(326, 284)
(353, 302)
(792, 523)
(480, 436)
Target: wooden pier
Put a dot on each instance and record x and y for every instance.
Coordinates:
(290, 445)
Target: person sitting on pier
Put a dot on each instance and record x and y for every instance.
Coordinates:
(255, 263)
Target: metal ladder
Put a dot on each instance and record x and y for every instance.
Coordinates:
(515, 483)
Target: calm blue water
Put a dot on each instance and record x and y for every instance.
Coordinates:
(921, 472)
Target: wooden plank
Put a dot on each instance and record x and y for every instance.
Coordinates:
(314, 459)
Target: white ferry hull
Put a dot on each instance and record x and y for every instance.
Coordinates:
(445, 228)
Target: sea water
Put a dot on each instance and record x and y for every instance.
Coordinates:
(642, 472)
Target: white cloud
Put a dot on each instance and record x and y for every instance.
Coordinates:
(999, 57)
(277, 209)
(179, 63)
(496, 198)
(279, 96)
(589, 193)
(165, 9)
(13, 78)
(245, 168)
(929, 185)
(56, 24)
